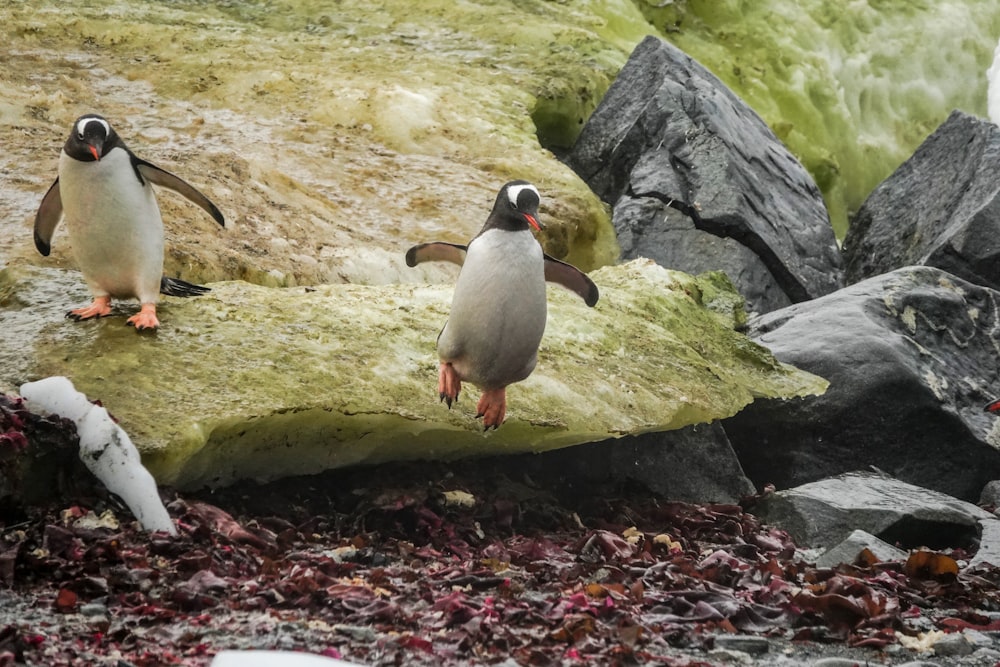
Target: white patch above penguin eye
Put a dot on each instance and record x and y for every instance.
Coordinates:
(81, 127)
(514, 191)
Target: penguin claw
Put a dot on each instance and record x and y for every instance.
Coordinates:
(100, 307)
(145, 319)
(449, 384)
(492, 407)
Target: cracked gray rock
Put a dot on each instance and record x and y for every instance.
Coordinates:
(698, 180)
(911, 357)
(939, 208)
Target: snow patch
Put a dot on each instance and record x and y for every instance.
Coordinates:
(105, 449)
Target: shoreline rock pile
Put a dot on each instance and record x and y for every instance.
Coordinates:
(910, 346)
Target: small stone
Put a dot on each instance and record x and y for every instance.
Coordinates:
(746, 644)
(94, 609)
(991, 494)
(986, 656)
(836, 662)
(719, 656)
(343, 554)
(358, 632)
(953, 645)
(978, 639)
(848, 550)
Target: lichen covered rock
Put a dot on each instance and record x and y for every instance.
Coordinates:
(258, 382)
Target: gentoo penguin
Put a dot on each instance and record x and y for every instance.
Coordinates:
(105, 193)
(498, 310)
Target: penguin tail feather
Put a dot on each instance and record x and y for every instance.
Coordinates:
(178, 287)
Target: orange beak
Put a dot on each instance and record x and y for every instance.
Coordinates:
(532, 221)
(93, 151)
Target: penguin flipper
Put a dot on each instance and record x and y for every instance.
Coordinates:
(178, 287)
(572, 279)
(438, 251)
(165, 179)
(48, 216)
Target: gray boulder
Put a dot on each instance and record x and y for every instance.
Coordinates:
(940, 208)
(693, 173)
(911, 357)
(695, 464)
(851, 547)
(647, 227)
(825, 513)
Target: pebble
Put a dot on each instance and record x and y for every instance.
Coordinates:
(747, 644)
(979, 639)
(991, 494)
(94, 609)
(987, 656)
(953, 645)
(359, 632)
(721, 655)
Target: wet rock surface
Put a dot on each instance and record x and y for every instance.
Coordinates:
(911, 360)
(250, 382)
(693, 464)
(669, 131)
(941, 208)
(828, 511)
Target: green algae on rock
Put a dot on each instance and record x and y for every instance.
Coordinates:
(852, 88)
(323, 125)
(258, 382)
(318, 128)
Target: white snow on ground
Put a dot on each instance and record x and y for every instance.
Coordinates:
(105, 449)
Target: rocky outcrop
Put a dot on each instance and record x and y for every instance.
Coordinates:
(694, 464)
(694, 174)
(827, 512)
(911, 359)
(257, 382)
(940, 208)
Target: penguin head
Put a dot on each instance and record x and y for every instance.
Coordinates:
(90, 139)
(516, 207)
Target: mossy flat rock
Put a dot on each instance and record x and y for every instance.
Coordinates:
(261, 382)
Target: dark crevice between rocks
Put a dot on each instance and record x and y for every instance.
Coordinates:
(912, 532)
(723, 228)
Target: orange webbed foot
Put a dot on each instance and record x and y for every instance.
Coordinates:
(449, 383)
(492, 407)
(99, 307)
(145, 318)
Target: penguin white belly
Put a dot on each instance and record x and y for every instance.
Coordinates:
(114, 226)
(498, 311)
